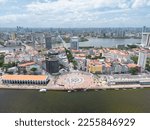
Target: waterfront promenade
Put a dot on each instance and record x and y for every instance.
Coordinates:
(73, 81)
(105, 87)
(57, 87)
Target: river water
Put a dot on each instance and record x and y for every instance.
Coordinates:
(108, 42)
(60, 101)
(104, 42)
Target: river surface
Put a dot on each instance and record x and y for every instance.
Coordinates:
(108, 42)
(60, 101)
(105, 42)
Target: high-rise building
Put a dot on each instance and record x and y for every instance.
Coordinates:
(75, 43)
(146, 39)
(52, 65)
(144, 29)
(52, 62)
(142, 60)
(48, 41)
(13, 36)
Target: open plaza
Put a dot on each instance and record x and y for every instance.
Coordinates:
(74, 80)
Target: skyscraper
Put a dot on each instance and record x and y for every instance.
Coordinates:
(142, 60)
(48, 41)
(144, 29)
(52, 65)
(145, 37)
(13, 36)
(75, 43)
(52, 62)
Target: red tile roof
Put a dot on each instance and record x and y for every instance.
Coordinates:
(26, 64)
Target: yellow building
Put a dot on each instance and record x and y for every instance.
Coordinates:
(95, 68)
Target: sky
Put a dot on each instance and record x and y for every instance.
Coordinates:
(74, 13)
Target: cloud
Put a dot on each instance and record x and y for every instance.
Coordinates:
(140, 3)
(2, 2)
(77, 9)
(71, 11)
(12, 18)
(79, 13)
(83, 5)
(74, 5)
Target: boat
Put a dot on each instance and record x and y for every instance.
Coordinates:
(43, 90)
(69, 91)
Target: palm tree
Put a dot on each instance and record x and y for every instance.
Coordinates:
(33, 70)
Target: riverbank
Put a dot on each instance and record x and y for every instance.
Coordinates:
(37, 87)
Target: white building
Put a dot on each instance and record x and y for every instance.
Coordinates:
(145, 39)
(12, 43)
(142, 60)
(75, 43)
(17, 58)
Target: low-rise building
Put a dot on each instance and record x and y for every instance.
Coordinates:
(25, 79)
(94, 66)
(27, 66)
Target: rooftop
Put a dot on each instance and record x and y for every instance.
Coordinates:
(24, 77)
(26, 64)
(132, 65)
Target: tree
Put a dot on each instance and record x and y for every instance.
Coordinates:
(132, 46)
(88, 56)
(133, 71)
(69, 55)
(148, 64)
(135, 59)
(2, 43)
(33, 70)
(1, 60)
(75, 64)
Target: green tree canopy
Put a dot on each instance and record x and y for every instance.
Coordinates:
(33, 69)
(135, 59)
(133, 71)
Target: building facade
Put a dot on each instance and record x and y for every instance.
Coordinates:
(48, 41)
(52, 65)
(146, 39)
(25, 79)
(74, 43)
(142, 60)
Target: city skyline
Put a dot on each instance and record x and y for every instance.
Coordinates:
(74, 13)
